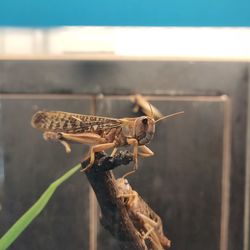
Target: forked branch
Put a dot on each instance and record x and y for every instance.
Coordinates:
(115, 217)
(124, 213)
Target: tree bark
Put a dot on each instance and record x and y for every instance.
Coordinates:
(114, 217)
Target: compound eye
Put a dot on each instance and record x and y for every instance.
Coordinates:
(145, 121)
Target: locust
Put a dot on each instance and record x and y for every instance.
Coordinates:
(101, 133)
(141, 103)
(145, 220)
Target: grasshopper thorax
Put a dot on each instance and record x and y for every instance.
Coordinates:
(144, 129)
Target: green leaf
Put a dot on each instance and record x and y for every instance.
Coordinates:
(10, 236)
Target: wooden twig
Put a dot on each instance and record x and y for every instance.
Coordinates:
(115, 217)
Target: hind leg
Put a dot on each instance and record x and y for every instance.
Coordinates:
(95, 149)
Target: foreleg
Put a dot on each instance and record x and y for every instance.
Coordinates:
(134, 143)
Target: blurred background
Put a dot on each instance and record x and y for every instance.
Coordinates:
(91, 58)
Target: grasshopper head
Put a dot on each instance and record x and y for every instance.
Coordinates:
(144, 129)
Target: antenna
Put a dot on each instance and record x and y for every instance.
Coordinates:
(168, 116)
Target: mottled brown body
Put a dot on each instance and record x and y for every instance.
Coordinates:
(101, 132)
(58, 121)
(109, 129)
(146, 221)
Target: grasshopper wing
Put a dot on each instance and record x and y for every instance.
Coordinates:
(58, 121)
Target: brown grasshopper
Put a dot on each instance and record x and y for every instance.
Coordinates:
(142, 104)
(101, 133)
(145, 220)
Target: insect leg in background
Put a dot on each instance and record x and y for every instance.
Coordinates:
(148, 109)
(146, 221)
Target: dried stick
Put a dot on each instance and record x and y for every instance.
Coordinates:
(115, 217)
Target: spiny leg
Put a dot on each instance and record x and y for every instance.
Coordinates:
(95, 149)
(153, 237)
(133, 142)
(85, 156)
(157, 237)
(151, 230)
(131, 197)
(148, 220)
(82, 138)
(64, 138)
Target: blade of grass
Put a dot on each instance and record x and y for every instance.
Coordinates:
(10, 236)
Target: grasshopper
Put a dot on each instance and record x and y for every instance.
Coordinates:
(101, 133)
(142, 104)
(146, 221)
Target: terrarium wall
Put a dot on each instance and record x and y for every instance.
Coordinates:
(195, 181)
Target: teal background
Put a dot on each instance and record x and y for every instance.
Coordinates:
(125, 12)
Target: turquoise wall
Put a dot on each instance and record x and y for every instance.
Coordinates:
(125, 12)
